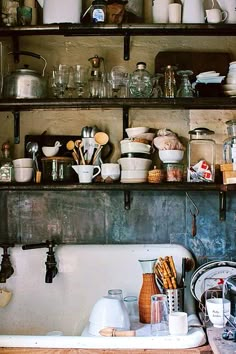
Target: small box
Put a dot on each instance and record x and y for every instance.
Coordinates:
(229, 177)
(227, 167)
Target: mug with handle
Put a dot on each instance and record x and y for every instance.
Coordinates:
(216, 15)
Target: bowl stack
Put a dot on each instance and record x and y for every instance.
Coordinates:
(230, 86)
(135, 158)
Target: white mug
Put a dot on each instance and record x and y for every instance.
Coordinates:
(178, 323)
(217, 309)
(160, 11)
(175, 13)
(86, 172)
(216, 15)
(111, 170)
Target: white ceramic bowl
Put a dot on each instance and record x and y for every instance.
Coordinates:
(24, 162)
(50, 151)
(138, 176)
(133, 132)
(134, 163)
(133, 146)
(23, 174)
(229, 87)
(108, 312)
(231, 80)
(230, 93)
(171, 156)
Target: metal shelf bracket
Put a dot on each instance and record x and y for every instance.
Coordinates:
(127, 200)
(125, 120)
(16, 127)
(126, 46)
(222, 206)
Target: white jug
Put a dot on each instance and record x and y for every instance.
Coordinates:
(160, 11)
(230, 7)
(193, 11)
(61, 11)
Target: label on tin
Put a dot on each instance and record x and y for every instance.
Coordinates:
(98, 15)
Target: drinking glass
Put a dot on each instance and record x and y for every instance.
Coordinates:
(80, 79)
(116, 79)
(116, 293)
(159, 315)
(61, 78)
(157, 90)
(185, 88)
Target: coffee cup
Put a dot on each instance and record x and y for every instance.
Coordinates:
(111, 170)
(216, 15)
(218, 309)
(178, 323)
(86, 172)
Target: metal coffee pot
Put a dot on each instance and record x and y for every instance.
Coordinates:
(25, 83)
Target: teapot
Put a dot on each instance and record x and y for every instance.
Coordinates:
(61, 11)
(193, 11)
(230, 7)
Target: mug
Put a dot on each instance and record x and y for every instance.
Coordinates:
(160, 11)
(86, 172)
(216, 16)
(217, 309)
(178, 323)
(111, 170)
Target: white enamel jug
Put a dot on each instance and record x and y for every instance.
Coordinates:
(160, 11)
(61, 11)
(193, 11)
(230, 7)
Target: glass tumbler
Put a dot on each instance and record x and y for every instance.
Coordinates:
(159, 315)
(116, 293)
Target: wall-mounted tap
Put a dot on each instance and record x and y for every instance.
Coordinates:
(6, 267)
(51, 264)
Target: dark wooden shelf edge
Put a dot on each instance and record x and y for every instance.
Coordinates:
(109, 103)
(170, 186)
(131, 29)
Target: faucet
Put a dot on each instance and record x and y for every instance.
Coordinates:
(6, 267)
(51, 264)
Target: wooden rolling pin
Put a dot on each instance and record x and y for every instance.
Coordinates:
(112, 332)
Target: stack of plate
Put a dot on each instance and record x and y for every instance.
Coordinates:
(209, 77)
(210, 278)
(230, 87)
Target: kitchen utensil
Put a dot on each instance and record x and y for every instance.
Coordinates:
(101, 139)
(112, 332)
(71, 146)
(32, 148)
(25, 83)
(60, 11)
(79, 145)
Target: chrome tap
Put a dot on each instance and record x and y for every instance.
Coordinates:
(51, 264)
(6, 267)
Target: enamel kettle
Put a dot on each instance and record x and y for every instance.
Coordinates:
(193, 11)
(61, 11)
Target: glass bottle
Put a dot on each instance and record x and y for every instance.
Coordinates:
(169, 82)
(6, 165)
(98, 11)
(149, 288)
(141, 82)
(229, 146)
(201, 156)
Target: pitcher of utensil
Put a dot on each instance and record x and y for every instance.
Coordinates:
(193, 11)
(230, 7)
(91, 154)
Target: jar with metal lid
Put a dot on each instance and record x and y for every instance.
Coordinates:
(98, 11)
(201, 156)
(58, 169)
(140, 84)
(229, 145)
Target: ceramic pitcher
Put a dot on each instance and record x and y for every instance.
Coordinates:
(193, 11)
(160, 11)
(230, 7)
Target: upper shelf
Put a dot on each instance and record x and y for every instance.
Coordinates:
(106, 103)
(122, 30)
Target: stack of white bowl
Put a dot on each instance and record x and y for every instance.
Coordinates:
(135, 158)
(23, 169)
(230, 86)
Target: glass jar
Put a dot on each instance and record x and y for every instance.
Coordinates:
(201, 156)
(169, 82)
(173, 172)
(98, 11)
(140, 84)
(229, 146)
(9, 12)
(6, 165)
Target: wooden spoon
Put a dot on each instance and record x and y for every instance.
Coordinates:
(79, 144)
(70, 145)
(112, 332)
(101, 139)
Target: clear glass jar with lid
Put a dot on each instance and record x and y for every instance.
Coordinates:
(140, 84)
(229, 145)
(201, 156)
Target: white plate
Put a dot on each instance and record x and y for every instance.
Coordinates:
(204, 278)
(209, 79)
(208, 73)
